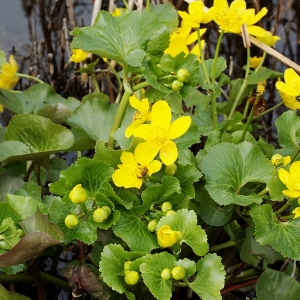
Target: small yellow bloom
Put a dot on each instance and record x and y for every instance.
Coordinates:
(180, 39)
(255, 61)
(78, 195)
(280, 161)
(268, 38)
(78, 55)
(291, 86)
(196, 15)
(166, 237)
(296, 212)
(133, 170)
(291, 179)
(290, 102)
(8, 78)
(229, 18)
(159, 135)
(116, 12)
(142, 115)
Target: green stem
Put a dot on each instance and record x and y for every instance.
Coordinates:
(243, 87)
(153, 179)
(230, 243)
(295, 155)
(262, 61)
(115, 73)
(140, 85)
(202, 56)
(126, 4)
(29, 77)
(148, 2)
(95, 83)
(214, 67)
(249, 120)
(118, 118)
(268, 110)
(287, 217)
(284, 207)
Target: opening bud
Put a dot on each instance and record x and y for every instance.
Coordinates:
(178, 272)
(132, 277)
(280, 161)
(71, 221)
(78, 195)
(100, 215)
(183, 75)
(166, 274)
(166, 237)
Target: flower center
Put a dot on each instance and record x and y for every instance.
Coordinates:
(296, 183)
(137, 116)
(141, 171)
(230, 17)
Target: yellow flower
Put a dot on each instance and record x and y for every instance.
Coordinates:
(159, 134)
(142, 115)
(296, 211)
(78, 55)
(166, 237)
(253, 18)
(280, 161)
(291, 86)
(291, 179)
(133, 170)
(196, 15)
(78, 195)
(229, 18)
(255, 61)
(290, 102)
(116, 12)
(180, 39)
(268, 38)
(8, 78)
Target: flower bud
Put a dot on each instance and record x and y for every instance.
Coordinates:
(20, 232)
(183, 75)
(166, 206)
(107, 208)
(127, 265)
(171, 169)
(177, 85)
(178, 272)
(78, 195)
(100, 215)
(71, 221)
(170, 212)
(166, 237)
(152, 225)
(279, 161)
(166, 274)
(132, 277)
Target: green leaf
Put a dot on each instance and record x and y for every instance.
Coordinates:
(39, 137)
(187, 175)
(252, 251)
(185, 221)
(111, 266)
(93, 175)
(203, 120)
(288, 127)
(85, 231)
(210, 278)
(188, 265)
(6, 295)
(228, 167)
(151, 270)
(7, 211)
(128, 35)
(284, 237)
(9, 184)
(261, 75)
(275, 187)
(40, 234)
(274, 285)
(133, 230)
(192, 136)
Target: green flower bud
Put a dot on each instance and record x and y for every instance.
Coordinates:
(71, 221)
(178, 272)
(166, 274)
(108, 209)
(166, 206)
(177, 85)
(78, 195)
(132, 277)
(170, 212)
(100, 215)
(20, 232)
(171, 169)
(127, 265)
(152, 225)
(183, 75)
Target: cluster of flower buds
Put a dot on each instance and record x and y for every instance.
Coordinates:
(177, 273)
(183, 75)
(101, 214)
(131, 277)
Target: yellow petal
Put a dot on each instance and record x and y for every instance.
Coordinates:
(283, 175)
(154, 167)
(179, 127)
(142, 131)
(281, 86)
(238, 5)
(135, 103)
(168, 153)
(255, 18)
(126, 178)
(295, 170)
(291, 194)
(127, 158)
(256, 31)
(161, 114)
(296, 211)
(220, 5)
(145, 153)
(290, 76)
